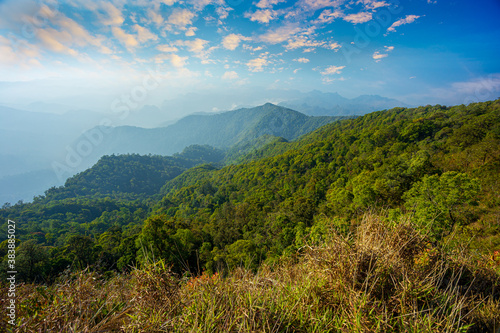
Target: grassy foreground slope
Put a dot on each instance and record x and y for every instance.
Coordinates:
(384, 277)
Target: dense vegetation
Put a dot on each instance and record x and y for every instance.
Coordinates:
(429, 177)
(384, 277)
(108, 201)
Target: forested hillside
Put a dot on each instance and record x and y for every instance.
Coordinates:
(402, 160)
(435, 167)
(439, 164)
(60, 229)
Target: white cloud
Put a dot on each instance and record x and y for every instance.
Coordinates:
(126, 39)
(302, 60)
(302, 41)
(257, 64)
(479, 89)
(333, 70)
(52, 40)
(358, 18)
(79, 35)
(23, 54)
(377, 55)
(313, 5)
(113, 15)
(482, 88)
(167, 48)
(199, 5)
(231, 75)
(253, 49)
(268, 3)
(197, 47)
(176, 60)
(181, 18)
(333, 46)
(327, 16)
(406, 20)
(223, 12)
(143, 34)
(327, 80)
(262, 16)
(232, 41)
(190, 32)
(155, 17)
(373, 4)
(280, 35)
(61, 34)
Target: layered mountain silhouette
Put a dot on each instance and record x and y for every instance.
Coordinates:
(240, 128)
(317, 103)
(222, 130)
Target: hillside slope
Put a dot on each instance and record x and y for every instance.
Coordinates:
(133, 175)
(441, 164)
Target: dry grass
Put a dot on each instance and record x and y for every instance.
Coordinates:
(384, 278)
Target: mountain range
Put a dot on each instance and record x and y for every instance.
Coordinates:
(36, 141)
(197, 209)
(221, 130)
(317, 103)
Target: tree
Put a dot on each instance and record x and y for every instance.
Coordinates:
(441, 202)
(243, 252)
(168, 239)
(81, 250)
(29, 261)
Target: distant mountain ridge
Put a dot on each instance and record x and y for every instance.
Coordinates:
(317, 103)
(36, 139)
(221, 130)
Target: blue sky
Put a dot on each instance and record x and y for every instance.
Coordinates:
(420, 51)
